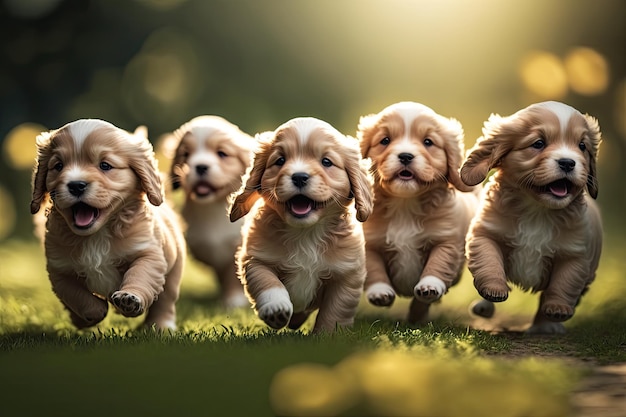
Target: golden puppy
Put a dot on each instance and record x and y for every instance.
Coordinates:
(538, 226)
(211, 157)
(302, 248)
(416, 235)
(108, 238)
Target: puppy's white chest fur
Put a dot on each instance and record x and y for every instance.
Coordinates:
(531, 242)
(99, 265)
(405, 241)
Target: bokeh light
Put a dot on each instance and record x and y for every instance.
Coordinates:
(19, 148)
(587, 71)
(543, 74)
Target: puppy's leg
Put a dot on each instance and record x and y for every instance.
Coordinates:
(270, 297)
(567, 282)
(233, 295)
(162, 313)
(378, 289)
(442, 270)
(486, 264)
(544, 325)
(340, 299)
(298, 319)
(85, 309)
(142, 284)
(418, 312)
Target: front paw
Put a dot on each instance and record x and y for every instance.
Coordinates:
(274, 307)
(380, 294)
(494, 292)
(429, 289)
(557, 312)
(127, 303)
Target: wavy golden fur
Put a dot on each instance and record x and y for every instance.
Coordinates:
(211, 157)
(538, 226)
(302, 248)
(415, 236)
(108, 236)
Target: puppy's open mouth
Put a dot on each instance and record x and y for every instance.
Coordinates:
(405, 175)
(203, 189)
(559, 188)
(84, 215)
(301, 206)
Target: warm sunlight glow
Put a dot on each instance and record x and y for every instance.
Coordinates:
(587, 71)
(544, 75)
(19, 145)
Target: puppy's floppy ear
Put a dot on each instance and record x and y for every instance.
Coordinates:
(360, 182)
(595, 138)
(364, 132)
(179, 158)
(250, 191)
(144, 164)
(489, 148)
(40, 172)
(453, 146)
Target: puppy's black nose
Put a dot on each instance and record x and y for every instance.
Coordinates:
(299, 179)
(566, 164)
(405, 158)
(77, 188)
(201, 169)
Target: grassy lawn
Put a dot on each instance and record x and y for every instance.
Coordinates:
(228, 363)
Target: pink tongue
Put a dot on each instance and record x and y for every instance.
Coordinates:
(83, 216)
(203, 189)
(301, 207)
(558, 188)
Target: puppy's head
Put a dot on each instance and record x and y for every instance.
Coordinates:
(306, 170)
(548, 149)
(90, 169)
(210, 159)
(412, 149)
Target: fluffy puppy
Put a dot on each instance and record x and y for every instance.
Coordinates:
(302, 249)
(538, 226)
(211, 157)
(108, 236)
(416, 235)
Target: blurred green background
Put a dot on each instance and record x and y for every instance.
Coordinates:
(258, 63)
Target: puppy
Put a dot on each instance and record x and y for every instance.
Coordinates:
(108, 238)
(416, 235)
(538, 226)
(302, 249)
(211, 157)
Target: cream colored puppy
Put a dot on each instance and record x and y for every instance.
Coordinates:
(211, 156)
(538, 226)
(108, 236)
(302, 247)
(415, 236)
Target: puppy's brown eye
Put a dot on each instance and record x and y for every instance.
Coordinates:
(222, 154)
(582, 146)
(428, 142)
(280, 161)
(58, 166)
(385, 141)
(327, 162)
(105, 166)
(540, 144)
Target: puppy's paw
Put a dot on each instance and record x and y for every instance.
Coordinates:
(127, 303)
(546, 327)
(91, 315)
(274, 307)
(380, 294)
(483, 308)
(494, 292)
(429, 289)
(557, 312)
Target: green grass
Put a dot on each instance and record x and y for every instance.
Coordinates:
(229, 363)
